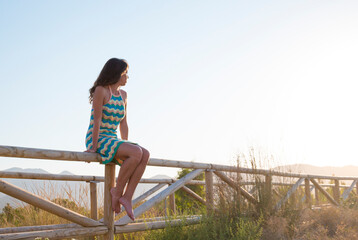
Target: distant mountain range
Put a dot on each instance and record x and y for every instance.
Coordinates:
(34, 170)
(327, 170)
(59, 188)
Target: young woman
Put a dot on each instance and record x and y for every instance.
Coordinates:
(109, 106)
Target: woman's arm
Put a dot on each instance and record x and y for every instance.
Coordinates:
(98, 98)
(123, 126)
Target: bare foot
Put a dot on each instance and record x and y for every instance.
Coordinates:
(120, 209)
(116, 207)
(128, 207)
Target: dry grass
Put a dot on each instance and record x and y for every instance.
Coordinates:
(76, 199)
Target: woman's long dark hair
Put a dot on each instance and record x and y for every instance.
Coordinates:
(110, 74)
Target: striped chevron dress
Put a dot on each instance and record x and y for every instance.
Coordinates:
(112, 114)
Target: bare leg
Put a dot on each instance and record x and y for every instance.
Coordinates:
(137, 175)
(126, 199)
(133, 155)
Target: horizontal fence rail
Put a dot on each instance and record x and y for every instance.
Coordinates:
(59, 177)
(88, 178)
(46, 154)
(108, 226)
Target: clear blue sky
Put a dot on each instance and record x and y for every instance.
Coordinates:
(207, 80)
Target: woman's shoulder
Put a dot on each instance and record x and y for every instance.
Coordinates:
(123, 93)
(100, 90)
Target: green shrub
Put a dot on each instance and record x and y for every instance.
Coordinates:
(182, 200)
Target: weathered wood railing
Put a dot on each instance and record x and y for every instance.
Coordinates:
(84, 226)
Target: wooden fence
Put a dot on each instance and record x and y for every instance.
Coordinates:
(107, 226)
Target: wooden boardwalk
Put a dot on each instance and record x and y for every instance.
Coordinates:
(108, 226)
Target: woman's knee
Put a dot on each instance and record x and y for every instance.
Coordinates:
(137, 153)
(126, 151)
(145, 155)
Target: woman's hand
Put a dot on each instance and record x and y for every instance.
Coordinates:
(91, 150)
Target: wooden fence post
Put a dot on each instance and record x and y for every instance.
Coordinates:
(166, 212)
(268, 191)
(336, 191)
(238, 179)
(316, 195)
(94, 207)
(172, 204)
(93, 194)
(109, 181)
(209, 189)
(308, 192)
